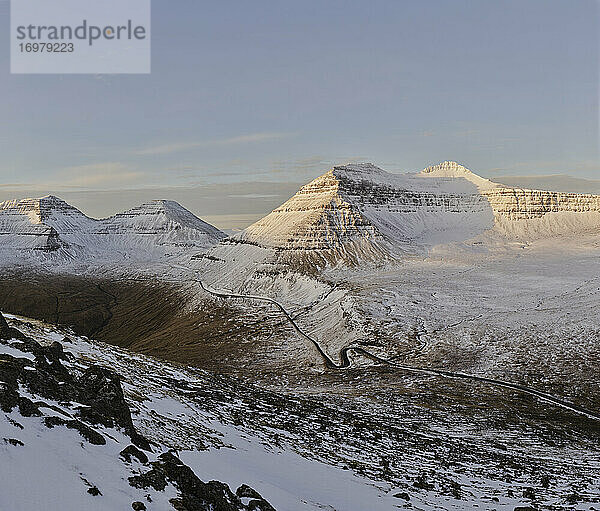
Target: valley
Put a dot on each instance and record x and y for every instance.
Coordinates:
(434, 335)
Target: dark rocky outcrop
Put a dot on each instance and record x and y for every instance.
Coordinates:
(98, 388)
(100, 392)
(246, 491)
(131, 451)
(196, 495)
(91, 435)
(6, 332)
(4, 328)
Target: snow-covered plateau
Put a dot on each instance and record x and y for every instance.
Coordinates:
(379, 341)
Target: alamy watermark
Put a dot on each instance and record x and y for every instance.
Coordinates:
(80, 36)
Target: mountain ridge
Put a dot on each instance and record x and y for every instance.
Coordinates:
(351, 213)
(360, 212)
(49, 224)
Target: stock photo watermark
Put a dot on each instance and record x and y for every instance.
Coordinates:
(80, 36)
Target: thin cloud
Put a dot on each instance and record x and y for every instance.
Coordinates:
(184, 146)
(15, 185)
(98, 174)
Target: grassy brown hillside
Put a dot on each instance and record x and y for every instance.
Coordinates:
(148, 317)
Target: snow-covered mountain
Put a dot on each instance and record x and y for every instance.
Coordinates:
(351, 214)
(359, 211)
(48, 224)
(35, 224)
(510, 203)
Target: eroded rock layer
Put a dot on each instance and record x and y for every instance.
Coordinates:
(359, 211)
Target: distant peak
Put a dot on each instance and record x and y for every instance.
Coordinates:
(160, 213)
(51, 201)
(447, 167)
(159, 202)
(456, 170)
(163, 205)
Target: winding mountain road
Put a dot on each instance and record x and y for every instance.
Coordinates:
(345, 361)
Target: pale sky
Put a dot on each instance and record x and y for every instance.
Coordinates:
(246, 100)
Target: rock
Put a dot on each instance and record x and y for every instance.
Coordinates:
(132, 450)
(138, 506)
(403, 495)
(246, 491)
(529, 493)
(100, 388)
(257, 503)
(28, 408)
(525, 508)
(545, 481)
(13, 441)
(422, 484)
(94, 491)
(4, 328)
(154, 478)
(92, 436)
(7, 332)
(260, 505)
(194, 493)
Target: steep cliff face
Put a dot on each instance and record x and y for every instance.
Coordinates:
(510, 203)
(38, 224)
(520, 204)
(360, 211)
(362, 204)
(49, 224)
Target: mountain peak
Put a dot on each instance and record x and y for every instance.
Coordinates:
(160, 215)
(357, 170)
(50, 198)
(41, 209)
(448, 168)
(456, 170)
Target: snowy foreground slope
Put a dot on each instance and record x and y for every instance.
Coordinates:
(68, 442)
